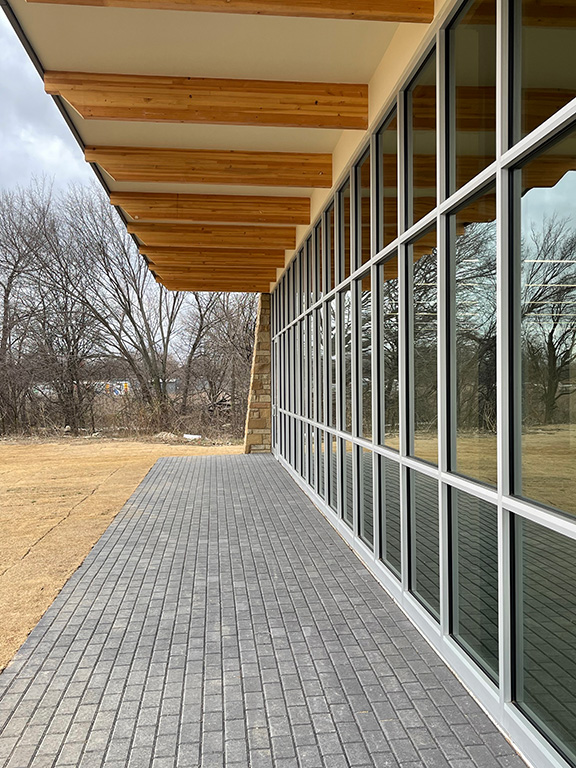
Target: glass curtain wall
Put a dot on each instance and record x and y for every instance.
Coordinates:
(425, 350)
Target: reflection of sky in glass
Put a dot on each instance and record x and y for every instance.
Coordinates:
(540, 202)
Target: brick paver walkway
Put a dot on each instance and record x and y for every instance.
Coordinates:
(220, 620)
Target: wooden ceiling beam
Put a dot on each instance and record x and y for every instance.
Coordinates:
(232, 283)
(416, 11)
(249, 238)
(222, 277)
(555, 13)
(213, 286)
(226, 274)
(214, 166)
(226, 209)
(219, 101)
(213, 257)
(246, 275)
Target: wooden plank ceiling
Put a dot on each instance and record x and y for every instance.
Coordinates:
(219, 213)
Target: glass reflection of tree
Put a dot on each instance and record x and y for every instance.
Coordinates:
(347, 347)
(333, 368)
(548, 320)
(476, 327)
(390, 346)
(320, 366)
(425, 337)
(366, 370)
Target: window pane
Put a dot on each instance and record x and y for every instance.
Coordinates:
(363, 209)
(293, 287)
(312, 458)
(366, 352)
(302, 434)
(422, 121)
(302, 380)
(346, 309)
(331, 276)
(286, 299)
(311, 367)
(312, 269)
(474, 552)
(287, 296)
(303, 271)
(319, 261)
(472, 41)
(333, 474)
(290, 371)
(348, 499)
(344, 257)
(366, 503)
(548, 44)
(545, 648)
(320, 364)
(389, 392)
(332, 367)
(474, 253)
(321, 439)
(388, 183)
(547, 254)
(424, 541)
(389, 475)
(423, 259)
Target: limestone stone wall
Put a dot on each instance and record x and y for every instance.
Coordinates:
(258, 433)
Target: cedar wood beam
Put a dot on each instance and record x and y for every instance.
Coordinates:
(205, 100)
(418, 11)
(245, 274)
(264, 102)
(249, 238)
(553, 14)
(209, 257)
(227, 209)
(214, 166)
(239, 286)
(140, 164)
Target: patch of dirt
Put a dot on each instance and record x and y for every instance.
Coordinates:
(56, 500)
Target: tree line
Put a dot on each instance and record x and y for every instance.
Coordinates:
(88, 339)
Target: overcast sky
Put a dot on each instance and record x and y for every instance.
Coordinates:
(34, 139)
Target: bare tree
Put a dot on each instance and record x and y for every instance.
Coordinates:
(548, 315)
(78, 304)
(227, 355)
(138, 317)
(22, 215)
(199, 319)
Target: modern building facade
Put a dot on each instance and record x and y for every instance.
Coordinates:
(424, 359)
(423, 331)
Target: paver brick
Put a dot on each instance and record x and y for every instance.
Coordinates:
(220, 622)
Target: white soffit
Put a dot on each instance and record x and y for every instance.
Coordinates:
(205, 136)
(203, 189)
(191, 44)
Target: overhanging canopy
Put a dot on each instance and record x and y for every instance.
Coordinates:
(217, 126)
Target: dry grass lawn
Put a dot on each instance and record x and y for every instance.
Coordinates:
(56, 500)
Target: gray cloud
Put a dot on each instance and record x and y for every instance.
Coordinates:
(34, 139)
